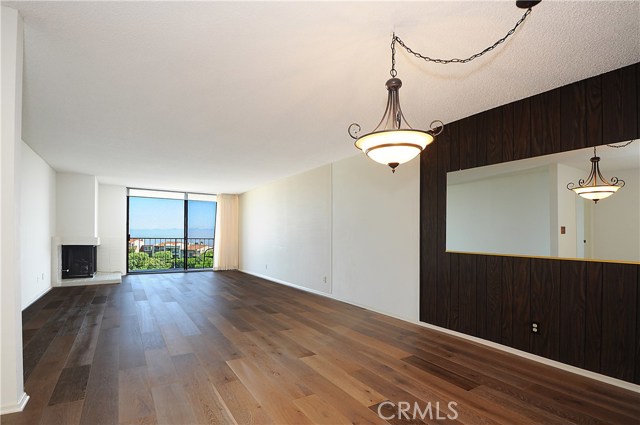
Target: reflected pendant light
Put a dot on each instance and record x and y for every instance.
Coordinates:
(394, 141)
(595, 187)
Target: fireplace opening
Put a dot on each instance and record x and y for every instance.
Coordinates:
(78, 261)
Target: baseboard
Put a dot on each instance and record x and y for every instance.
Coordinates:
(562, 366)
(293, 285)
(37, 297)
(558, 365)
(15, 408)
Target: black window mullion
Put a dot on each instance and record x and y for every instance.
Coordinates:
(126, 251)
(186, 233)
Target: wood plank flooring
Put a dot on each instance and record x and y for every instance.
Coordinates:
(227, 348)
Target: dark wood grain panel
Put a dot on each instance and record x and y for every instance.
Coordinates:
(508, 134)
(481, 296)
(468, 142)
(442, 273)
(573, 116)
(494, 298)
(493, 135)
(538, 139)
(454, 145)
(467, 294)
(619, 105)
(572, 315)
(443, 308)
(521, 303)
(522, 129)
(428, 229)
(567, 294)
(545, 123)
(619, 306)
(545, 307)
(593, 323)
(506, 320)
(481, 142)
(593, 88)
(444, 153)
(463, 145)
(454, 279)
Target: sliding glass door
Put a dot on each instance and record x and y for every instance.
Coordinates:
(169, 231)
(200, 234)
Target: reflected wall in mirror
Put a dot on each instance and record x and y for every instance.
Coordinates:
(524, 207)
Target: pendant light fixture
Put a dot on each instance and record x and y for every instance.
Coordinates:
(595, 187)
(394, 141)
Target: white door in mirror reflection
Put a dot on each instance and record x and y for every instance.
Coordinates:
(581, 236)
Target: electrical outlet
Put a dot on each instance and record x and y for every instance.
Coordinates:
(266, 267)
(535, 327)
(324, 279)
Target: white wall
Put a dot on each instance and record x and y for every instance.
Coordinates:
(76, 203)
(491, 215)
(37, 224)
(12, 395)
(616, 221)
(353, 221)
(285, 230)
(376, 236)
(112, 228)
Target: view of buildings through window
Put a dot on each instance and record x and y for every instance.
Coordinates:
(171, 234)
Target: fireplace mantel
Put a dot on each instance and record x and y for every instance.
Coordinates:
(77, 240)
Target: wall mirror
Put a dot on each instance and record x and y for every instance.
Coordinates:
(524, 207)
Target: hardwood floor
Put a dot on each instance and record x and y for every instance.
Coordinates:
(226, 347)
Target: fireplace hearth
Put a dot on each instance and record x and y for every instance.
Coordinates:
(78, 261)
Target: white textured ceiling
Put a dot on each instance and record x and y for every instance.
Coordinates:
(224, 96)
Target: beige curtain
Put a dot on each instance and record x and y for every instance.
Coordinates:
(225, 251)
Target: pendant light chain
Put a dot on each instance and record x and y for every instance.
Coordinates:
(623, 145)
(397, 39)
(393, 71)
(394, 142)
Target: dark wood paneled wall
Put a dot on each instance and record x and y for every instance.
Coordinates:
(589, 312)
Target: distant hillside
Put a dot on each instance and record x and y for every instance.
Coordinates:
(171, 233)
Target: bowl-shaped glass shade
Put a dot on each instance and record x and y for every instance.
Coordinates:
(394, 146)
(595, 193)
